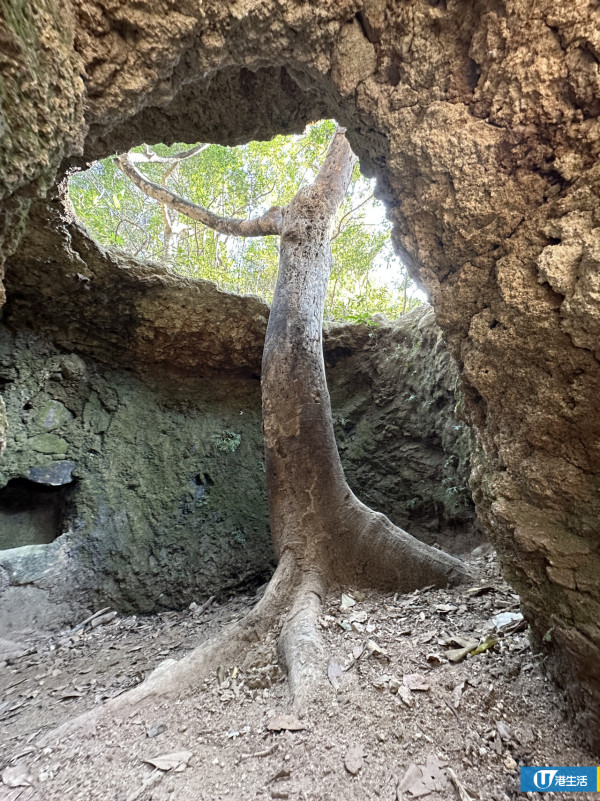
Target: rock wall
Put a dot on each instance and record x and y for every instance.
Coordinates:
(480, 120)
(140, 483)
(159, 486)
(405, 453)
(41, 107)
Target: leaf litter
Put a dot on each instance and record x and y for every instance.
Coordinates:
(463, 738)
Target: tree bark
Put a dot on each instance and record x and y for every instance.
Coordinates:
(330, 535)
(322, 533)
(266, 224)
(313, 512)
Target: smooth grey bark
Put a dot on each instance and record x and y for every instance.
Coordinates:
(321, 532)
(265, 225)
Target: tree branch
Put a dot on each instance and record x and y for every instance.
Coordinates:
(338, 229)
(267, 224)
(150, 157)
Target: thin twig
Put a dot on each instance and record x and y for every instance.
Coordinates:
(89, 619)
(204, 607)
(150, 157)
(460, 789)
(347, 214)
(453, 710)
(265, 753)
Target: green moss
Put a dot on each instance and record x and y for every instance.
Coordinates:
(47, 443)
(159, 515)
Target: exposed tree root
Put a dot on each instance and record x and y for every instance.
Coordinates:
(289, 609)
(300, 647)
(378, 554)
(322, 533)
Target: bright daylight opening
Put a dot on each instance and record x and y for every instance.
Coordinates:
(367, 278)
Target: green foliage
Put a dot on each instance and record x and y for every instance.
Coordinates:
(366, 278)
(227, 441)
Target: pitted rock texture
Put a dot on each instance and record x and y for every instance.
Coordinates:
(143, 487)
(41, 106)
(480, 120)
(122, 311)
(162, 485)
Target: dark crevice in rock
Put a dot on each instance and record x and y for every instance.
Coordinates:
(32, 512)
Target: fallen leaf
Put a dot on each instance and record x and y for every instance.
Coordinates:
(485, 645)
(17, 776)
(171, 761)
(425, 779)
(157, 728)
(358, 617)
(405, 695)
(347, 602)
(458, 654)
(334, 673)
(416, 682)
(473, 592)
(353, 759)
(281, 775)
(506, 620)
(375, 650)
(285, 723)
(357, 652)
(457, 694)
(503, 730)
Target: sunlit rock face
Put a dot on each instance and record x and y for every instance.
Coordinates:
(480, 120)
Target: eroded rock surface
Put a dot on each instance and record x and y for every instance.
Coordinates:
(134, 472)
(159, 486)
(481, 122)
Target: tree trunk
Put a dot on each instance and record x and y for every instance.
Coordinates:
(322, 533)
(315, 518)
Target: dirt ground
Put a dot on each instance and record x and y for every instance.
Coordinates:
(397, 719)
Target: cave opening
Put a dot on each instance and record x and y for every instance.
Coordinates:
(368, 277)
(32, 513)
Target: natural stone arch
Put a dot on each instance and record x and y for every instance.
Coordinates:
(480, 121)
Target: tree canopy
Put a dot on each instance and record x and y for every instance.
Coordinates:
(367, 276)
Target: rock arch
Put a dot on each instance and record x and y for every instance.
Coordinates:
(480, 121)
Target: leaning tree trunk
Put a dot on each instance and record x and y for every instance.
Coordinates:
(322, 533)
